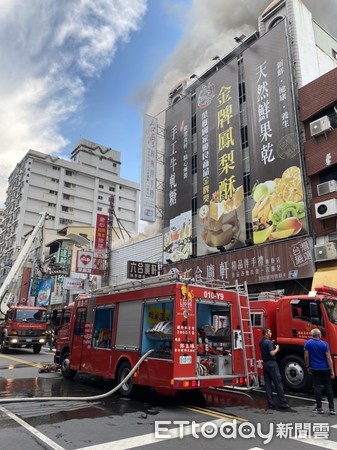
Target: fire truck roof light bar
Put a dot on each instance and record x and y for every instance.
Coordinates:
(326, 290)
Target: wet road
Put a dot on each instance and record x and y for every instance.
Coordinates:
(214, 419)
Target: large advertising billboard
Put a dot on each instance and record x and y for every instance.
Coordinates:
(278, 204)
(149, 169)
(220, 219)
(178, 182)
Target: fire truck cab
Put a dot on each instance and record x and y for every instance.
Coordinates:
(198, 335)
(291, 319)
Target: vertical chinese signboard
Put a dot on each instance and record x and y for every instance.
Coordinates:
(100, 244)
(221, 221)
(278, 209)
(178, 182)
(149, 168)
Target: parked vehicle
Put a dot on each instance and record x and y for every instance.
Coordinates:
(291, 318)
(199, 335)
(23, 326)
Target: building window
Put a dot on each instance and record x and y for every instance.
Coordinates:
(53, 192)
(66, 196)
(65, 208)
(54, 180)
(194, 164)
(111, 189)
(69, 185)
(99, 209)
(56, 168)
(70, 173)
(100, 197)
(101, 186)
(52, 205)
(194, 204)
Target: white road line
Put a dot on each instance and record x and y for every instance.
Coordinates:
(32, 430)
(146, 439)
(323, 443)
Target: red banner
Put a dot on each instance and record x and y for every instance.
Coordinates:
(101, 233)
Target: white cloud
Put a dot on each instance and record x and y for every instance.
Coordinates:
(49, 51)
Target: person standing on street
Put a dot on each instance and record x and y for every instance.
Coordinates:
(271, 370)
(319, 364)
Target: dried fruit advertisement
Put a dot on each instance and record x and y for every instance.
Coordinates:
(277, 192)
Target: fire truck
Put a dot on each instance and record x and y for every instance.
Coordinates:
(23, 326)
(197, 335)
(20, 325)
(291, 318)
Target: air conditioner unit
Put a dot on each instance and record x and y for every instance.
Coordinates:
(326, 209)
(327, 187)
(320, 126)
(326, 251)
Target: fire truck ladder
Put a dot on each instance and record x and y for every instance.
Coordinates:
(249, 358)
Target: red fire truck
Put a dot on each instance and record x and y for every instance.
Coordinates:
(23, 326)
(291, 318)
(199, 335)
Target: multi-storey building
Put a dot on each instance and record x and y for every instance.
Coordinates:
(237, 201)
(72, 192)
(318, 111)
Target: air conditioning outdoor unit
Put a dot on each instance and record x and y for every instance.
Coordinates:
(327, 187)
(326, 251)
(319, 126)
(326, 209)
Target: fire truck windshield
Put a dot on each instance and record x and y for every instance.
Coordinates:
(28, 315)
(331, 309)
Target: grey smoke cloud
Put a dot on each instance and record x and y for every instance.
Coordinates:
(210, 30)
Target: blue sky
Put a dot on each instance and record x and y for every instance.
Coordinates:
(73, 69)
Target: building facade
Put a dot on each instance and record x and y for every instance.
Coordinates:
(71, 192)
(237, 201)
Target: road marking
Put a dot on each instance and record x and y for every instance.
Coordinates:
(31, 429)
(146, 439)
(324, 443)
(212, 413)
(22, 361)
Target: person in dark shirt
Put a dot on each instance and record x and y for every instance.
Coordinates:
(271, 370)
(319, 364)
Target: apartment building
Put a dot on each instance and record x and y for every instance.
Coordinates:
(71, 191)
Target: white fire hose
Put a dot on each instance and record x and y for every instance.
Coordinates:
(92, 397)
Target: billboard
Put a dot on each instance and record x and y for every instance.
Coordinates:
(277, 190)
(220, 194)
(149, 169)
(178, 182)
(139, 269)
(284, 260)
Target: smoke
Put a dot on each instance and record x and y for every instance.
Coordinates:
(210, 31)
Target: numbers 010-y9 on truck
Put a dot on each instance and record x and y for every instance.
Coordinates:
(291, 318)
(200, 336)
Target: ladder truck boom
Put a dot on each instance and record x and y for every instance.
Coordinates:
(19, 262)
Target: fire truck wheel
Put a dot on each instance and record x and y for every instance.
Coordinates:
(127, 389)
(36, 348)
(294, 374)
(65, 367)
(3, 348)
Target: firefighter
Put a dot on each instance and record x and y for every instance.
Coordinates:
(271, 370)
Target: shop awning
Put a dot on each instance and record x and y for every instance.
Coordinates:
(327, 276)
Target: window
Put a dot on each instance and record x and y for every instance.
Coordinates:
(111, 189)
(194, 164)
(54, 180)
(334, 54)
(53, 192)
(194, 204)
(69, 185)
(52, 205)
(101, 186)
(56, 168)
(66, 196)
(100, 197)
(256, 319)
(81, 315)
(99, 209)
(70, 173)
(65, 208)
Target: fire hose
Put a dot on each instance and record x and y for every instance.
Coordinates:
(90, 398)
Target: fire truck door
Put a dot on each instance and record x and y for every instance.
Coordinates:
(77, 344)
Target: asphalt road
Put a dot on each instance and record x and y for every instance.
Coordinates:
(214, 419)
